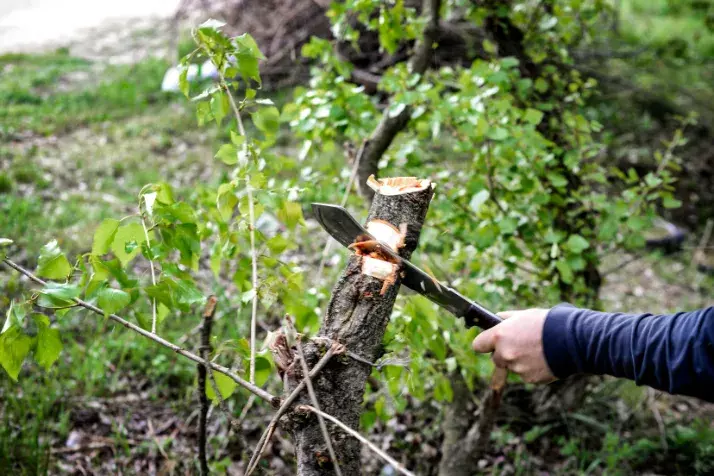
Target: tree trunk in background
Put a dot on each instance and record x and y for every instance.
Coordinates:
(356, 317)
(391, 124)
(457, 420)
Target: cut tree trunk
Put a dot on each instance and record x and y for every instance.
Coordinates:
(357, 317)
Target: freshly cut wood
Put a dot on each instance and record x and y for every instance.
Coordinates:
(357, 317)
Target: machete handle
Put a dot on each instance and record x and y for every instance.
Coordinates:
(481, 317)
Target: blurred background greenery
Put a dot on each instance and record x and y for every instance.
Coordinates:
(80, 135)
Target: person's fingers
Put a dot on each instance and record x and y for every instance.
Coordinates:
(485, 342)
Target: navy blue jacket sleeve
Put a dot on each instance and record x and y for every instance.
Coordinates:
(674, 353)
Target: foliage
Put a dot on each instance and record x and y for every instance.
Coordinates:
(525, 182)
(516, 219)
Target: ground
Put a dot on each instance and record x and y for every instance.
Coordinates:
(78, 139)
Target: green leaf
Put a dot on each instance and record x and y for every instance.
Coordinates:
(671, 202)
(478, 200)
(497, 133)
(566, 274)
(247, 65)
(485, 236)
(175, 294)
(219, 106)
(225, 384)
(55, 295)
(278, 244)
(183, 80)
(49, 344)
(577, 244)
(245, 42)
(14, 317)
(162, 313)
(541, 85)
(14, 347)
(104, 236)
(203, 112)
(226, 200)
(228, 154)
(111, 300)
(263, 370)
(132, 234)
(291, 214)
(508, 225)
(533, 116)
(557, 180)
(267, 120)
(638, 223)
(52, 264)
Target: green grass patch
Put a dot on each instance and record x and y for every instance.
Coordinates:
(50, 94)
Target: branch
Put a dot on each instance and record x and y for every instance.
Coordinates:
(204, 350)
(391, 125)
(151, 265)
(394, 463)
(260, 447)
(251, 227)
(254, 263)
(268, 397)
(353, 175)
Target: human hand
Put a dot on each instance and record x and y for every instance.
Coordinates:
(517, 344)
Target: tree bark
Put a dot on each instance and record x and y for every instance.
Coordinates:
(357, 317)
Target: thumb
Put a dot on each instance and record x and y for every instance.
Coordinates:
(484, 342)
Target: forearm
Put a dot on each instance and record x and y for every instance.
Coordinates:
(674, 353)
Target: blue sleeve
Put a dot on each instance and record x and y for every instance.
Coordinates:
(674, 353)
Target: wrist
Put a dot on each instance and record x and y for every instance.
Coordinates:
(558, 346)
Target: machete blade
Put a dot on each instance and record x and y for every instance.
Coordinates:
(345, 229)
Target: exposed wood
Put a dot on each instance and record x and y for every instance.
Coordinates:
(356, 317)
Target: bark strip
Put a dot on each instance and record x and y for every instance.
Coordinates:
(357, 317)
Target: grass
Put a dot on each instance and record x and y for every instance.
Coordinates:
(72, 92)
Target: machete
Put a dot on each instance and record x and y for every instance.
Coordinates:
(345, 229)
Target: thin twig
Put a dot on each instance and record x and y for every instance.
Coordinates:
(313, 398)
(268, 433)
(394, 463)
(151, 265)
(268, 397)
(251, 227)
(254, 262)
(651, 397)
